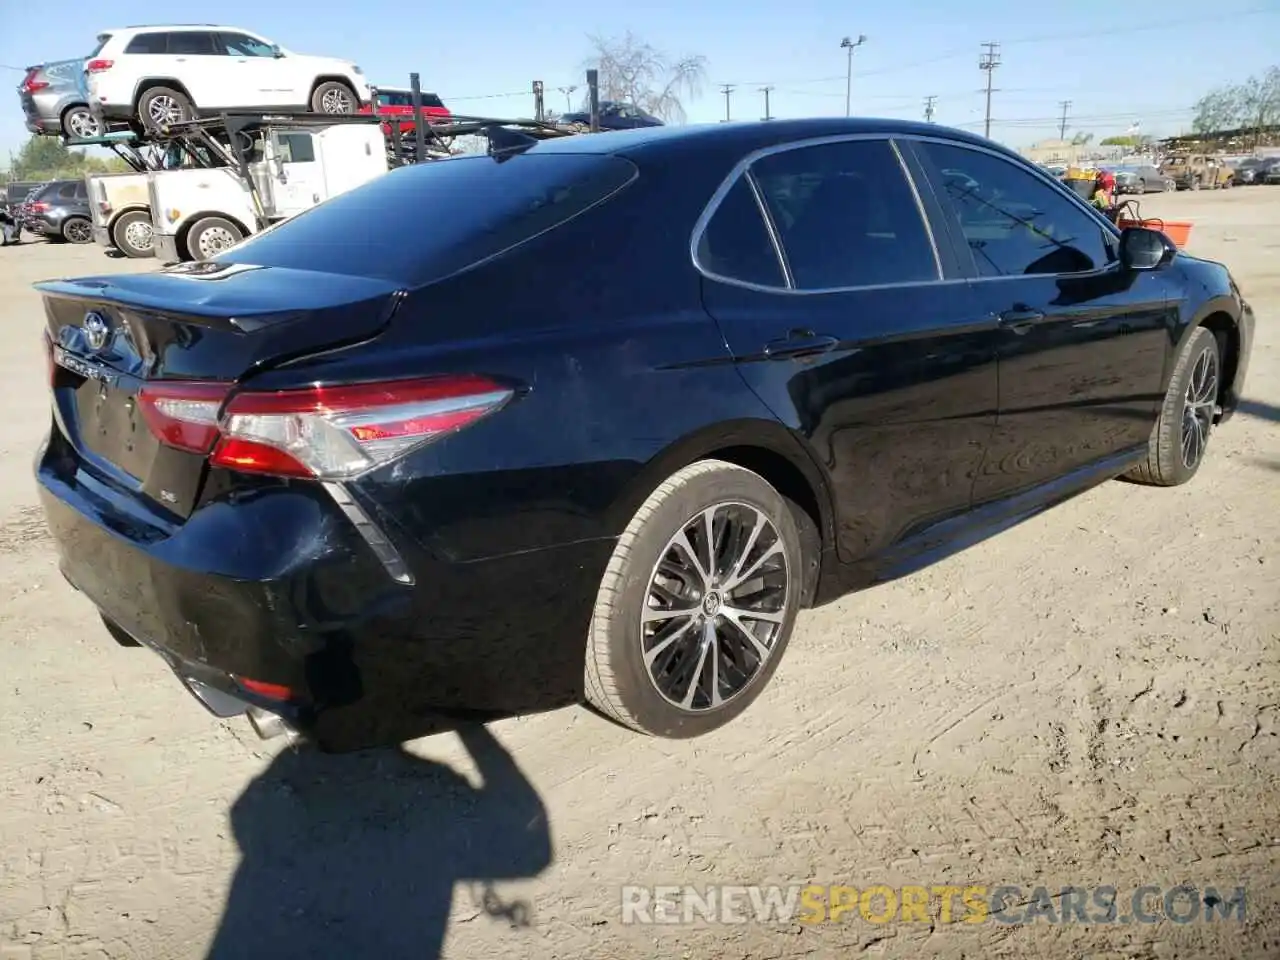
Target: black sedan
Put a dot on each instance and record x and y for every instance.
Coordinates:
(364, 483)
(612, 116)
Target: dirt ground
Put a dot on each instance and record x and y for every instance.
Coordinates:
(1089, 699)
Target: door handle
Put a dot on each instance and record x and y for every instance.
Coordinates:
(1021, 319)
(799, 343)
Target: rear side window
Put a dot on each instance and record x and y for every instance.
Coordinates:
(191, 43)
(103, 40)
(148, 43)
(736, 243)
(67, 191)
(424, 222)
(846, 216)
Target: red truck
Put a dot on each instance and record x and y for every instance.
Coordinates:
(397, 102)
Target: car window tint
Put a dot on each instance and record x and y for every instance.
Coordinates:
(846, 215)
(1014, 223)
(191, 43)
(240, 45)
(67, 191)
(448, 215)
(736, 244)
(148, 43)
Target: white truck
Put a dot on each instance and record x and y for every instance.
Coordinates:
(277, 167)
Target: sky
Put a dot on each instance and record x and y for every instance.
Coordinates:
(1117, 63)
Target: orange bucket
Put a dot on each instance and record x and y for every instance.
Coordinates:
(1179, 231)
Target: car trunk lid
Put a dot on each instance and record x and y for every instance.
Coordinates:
(110, 338)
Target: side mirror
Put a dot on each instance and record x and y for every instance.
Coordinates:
(1144, 249)
(276, 51)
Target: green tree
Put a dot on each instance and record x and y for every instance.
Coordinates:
(46, 158)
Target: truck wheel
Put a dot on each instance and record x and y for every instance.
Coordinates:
(133, 234)
(211, 236)
(333, 97)
(160, 106)
(77, 230)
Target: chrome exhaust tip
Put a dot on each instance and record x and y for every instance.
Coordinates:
(267, 725)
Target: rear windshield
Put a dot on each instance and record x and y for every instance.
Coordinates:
(424, 222)
(102, 42)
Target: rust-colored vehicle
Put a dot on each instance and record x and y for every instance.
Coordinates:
(1197, 171)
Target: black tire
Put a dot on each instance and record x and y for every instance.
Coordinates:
(79, 123)
(130, 241)
(1140, 188)
(1166, 464)
(334, 98)
(77, 230)
(161, 106)
(209, 237)
(1195, 184)
(618, 683)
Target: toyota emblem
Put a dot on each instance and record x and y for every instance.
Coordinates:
(95, 330)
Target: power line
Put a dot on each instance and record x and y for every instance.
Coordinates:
(989, 62)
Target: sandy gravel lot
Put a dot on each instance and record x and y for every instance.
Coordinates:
(1092, 698)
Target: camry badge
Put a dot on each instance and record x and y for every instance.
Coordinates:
(95, 330)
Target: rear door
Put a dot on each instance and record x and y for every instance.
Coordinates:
(854, 327)
(196, 63)
(1082, 342)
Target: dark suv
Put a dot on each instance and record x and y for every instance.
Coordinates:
(613, 116)
(60, 211)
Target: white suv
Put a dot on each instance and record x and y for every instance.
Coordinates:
(164, 74)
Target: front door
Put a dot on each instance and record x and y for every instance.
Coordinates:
(856, 337)
(1083, 341)
(254, 76)
(297, 176)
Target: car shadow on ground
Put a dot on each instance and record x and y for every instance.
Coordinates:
(1263, 411)
(361, 855)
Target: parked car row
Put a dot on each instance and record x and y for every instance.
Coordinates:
(148, 76)
(1258, 170)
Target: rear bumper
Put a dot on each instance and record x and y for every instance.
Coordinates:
(281, 588)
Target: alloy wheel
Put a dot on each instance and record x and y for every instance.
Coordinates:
(335, 101)
(79, 231)
(82, 124)
(1199, 408)
(715, 606)
(213, 240)
(164, 110)
(140, 235)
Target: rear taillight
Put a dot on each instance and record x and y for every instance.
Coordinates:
(31, 85)
(39, 206)
(97, 66)
(326, 433)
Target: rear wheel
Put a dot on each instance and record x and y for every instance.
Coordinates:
(77, 230)
(132, 234)
(1181, 434)
(211, 236)
(333, 97)
(79, 124)
(161, 106)
(697, 603)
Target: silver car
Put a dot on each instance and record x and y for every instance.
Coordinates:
(55, 100)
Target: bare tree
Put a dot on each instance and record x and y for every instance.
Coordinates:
(1220, 109)
(632, 71)
(1260, 101)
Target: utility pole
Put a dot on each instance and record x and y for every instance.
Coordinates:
(1062, 128)
(765, 91)
(568, 92)
(726, 89)
(850, 45)
(929, 101)
(990, 60)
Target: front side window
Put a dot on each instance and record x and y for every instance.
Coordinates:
(297, 148)
(846, 216)
(242, 45)
(1014, 223)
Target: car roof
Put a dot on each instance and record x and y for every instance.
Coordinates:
(175, 27)
(750, 135)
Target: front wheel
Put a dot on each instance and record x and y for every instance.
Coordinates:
(133, 234)
(1181, 434)
(697, 603)
(333, 97)
(211, 236)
